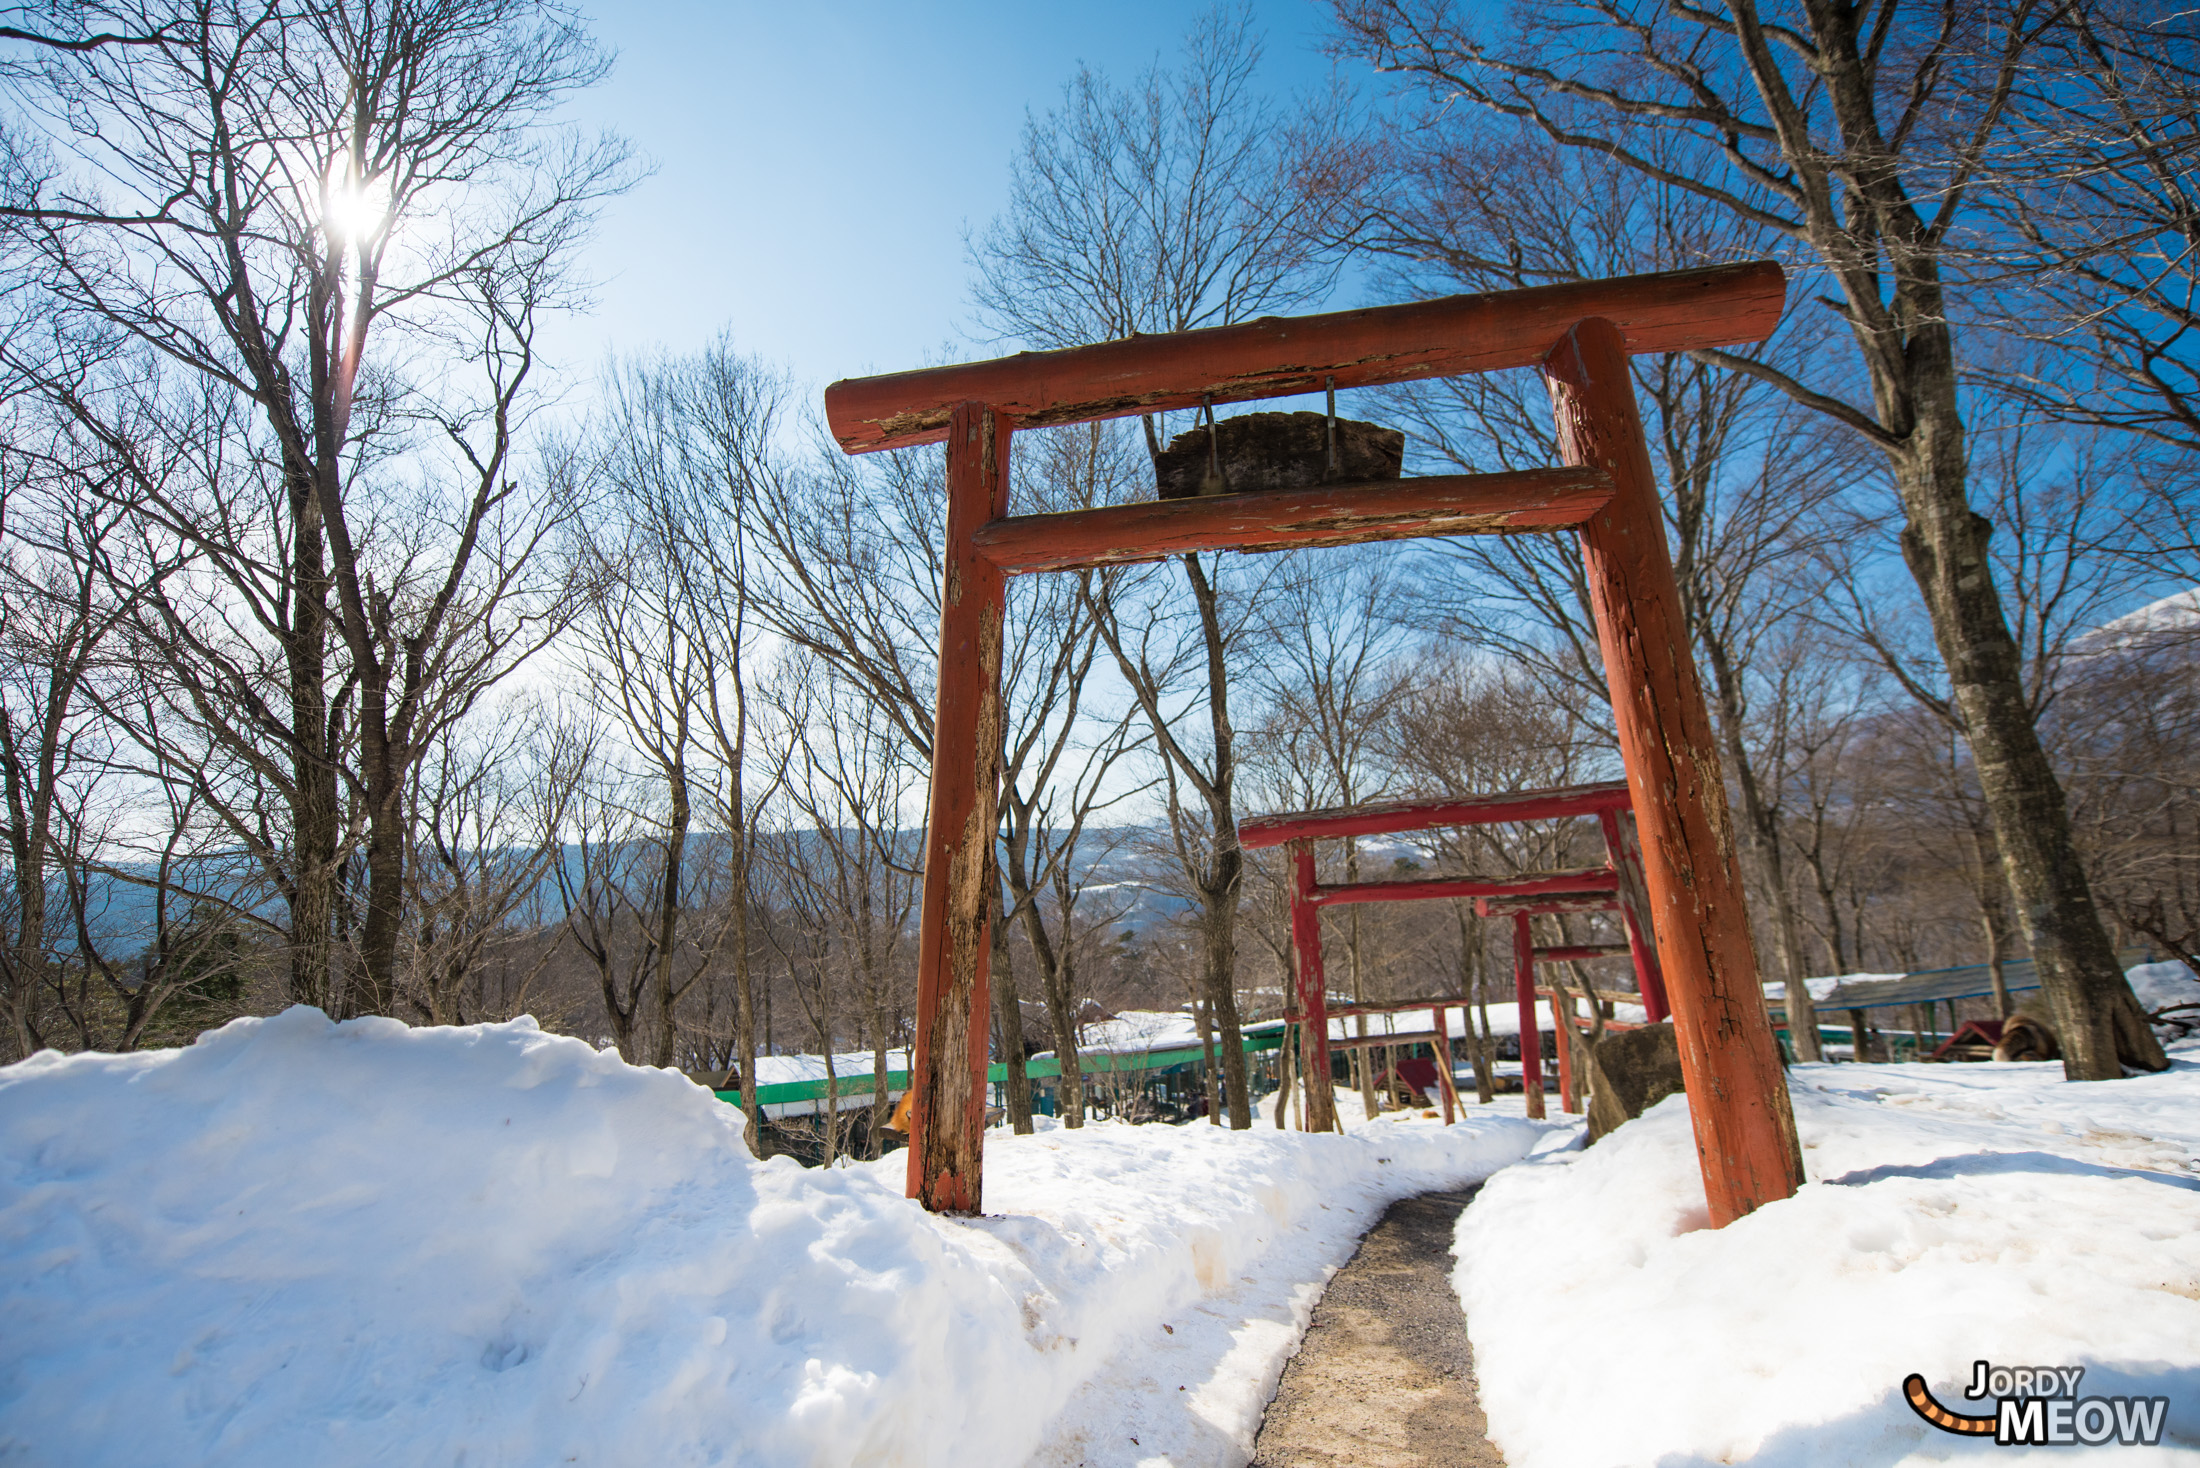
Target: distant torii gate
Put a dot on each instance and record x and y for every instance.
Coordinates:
(1614, 887)
(1580, 336)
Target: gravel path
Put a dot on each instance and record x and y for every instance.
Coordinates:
(1385, 1374)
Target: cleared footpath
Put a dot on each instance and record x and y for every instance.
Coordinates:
(1385, 1373)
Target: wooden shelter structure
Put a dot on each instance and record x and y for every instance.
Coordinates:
(1614, 887)
(1579, 336)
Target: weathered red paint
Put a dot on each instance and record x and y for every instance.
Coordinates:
(947, 1119)
(1745, 1129)
(1294, 519)
(1581, 334)
(1380, 818)
(1562, 1028)
(1538, 906)
(1412, 889)
(1278, 356)
(1531, 1033)
(1306, 942)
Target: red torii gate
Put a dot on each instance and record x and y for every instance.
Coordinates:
(1613, 887)
(1580, 336)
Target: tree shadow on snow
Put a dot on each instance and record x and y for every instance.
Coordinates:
(1989, 1164)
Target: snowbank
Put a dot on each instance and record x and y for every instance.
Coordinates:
(1954, 1213)
(297, 1242)
(2160, 985)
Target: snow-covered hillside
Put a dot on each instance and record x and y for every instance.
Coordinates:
(303, 1243)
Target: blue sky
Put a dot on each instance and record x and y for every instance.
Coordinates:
(816, 164)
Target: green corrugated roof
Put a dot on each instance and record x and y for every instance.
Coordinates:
(861, 1084)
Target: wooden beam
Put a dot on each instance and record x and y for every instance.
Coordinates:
(1582, 952)
(1414, 889)
(947, 1115)
(1531, 1037)
(1306, 946)
(1396, 1006)
(1291, 519)
(1602, 996)
(1443, 1067)
(1392, 817)
(1738, 1100)
(1537, 906)
(1371, 1042)
(1280, 356)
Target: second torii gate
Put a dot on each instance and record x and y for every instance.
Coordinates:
(1580, 337)
(1614, 887)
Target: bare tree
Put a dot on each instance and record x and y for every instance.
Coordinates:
(1865, 138)
(488, 815)
(1150, 208)
(70, 579)
(688, 449)
(1332, 681)
(1747, 475)
(245, 202)
(848, 866)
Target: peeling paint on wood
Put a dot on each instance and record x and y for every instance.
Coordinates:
(1413, 889)
(1745, 1128)
(1292, 519)
(1388, 817)
(947, 1116)
(1282, 355)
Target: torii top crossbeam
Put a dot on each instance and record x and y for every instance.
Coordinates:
(1579, 336)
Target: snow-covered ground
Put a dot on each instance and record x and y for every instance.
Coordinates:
(298, 1242)
(1954, 1213)
(303, 1243)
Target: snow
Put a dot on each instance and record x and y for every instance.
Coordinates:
(1504, 1020)
(2162, 984)
(773, 1070)
(1137, 1030)
(2179, 611)
(1823, 987)
(302, 1242)
(1953, 1213)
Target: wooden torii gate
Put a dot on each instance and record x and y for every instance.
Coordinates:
(1614, 887)
(1580, 337)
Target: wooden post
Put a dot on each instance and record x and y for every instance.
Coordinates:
(1634, 912)
(1531, 1033)
(947, 1118)
(1738, 1101)
(1443, 1061)
(1306, 942)
(1562, 1031)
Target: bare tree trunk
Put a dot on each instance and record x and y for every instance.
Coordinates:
(1207, 1058)
(744, 984)
(1471, 987)
(1009, 1011)
(2097, 1018)
(664, 994)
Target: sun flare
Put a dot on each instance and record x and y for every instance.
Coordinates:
(352, 212)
